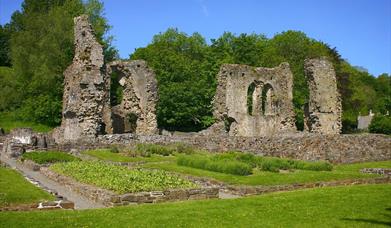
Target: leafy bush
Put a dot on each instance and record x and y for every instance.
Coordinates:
(381, 124)
(114, 149)
(143, 148)
(222, 166)
(45, 157)
(272, 164)
(121, 179)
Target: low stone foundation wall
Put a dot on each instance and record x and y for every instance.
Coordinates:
(333, 148)
(258, 190)
(109, 198)
(380, 171)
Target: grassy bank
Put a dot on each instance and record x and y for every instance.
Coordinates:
(15, 189)
(354, 206)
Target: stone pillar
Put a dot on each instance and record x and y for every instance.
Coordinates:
(86, 88)
(323, 112)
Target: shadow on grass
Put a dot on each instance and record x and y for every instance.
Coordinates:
(374, 221)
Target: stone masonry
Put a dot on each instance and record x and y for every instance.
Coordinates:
(85, 92)
(324, 110)
(137, 112)
(271, 109)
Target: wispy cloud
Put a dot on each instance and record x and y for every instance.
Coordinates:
(204, 8)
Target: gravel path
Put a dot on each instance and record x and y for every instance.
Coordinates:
(80, 201)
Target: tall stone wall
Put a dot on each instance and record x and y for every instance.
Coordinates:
(85, 87)
(269, 91)
(324, 110)
(137, 111)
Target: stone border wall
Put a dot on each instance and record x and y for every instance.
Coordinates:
(109, 198)
(379, 171)
(258, 190)
(333, 148)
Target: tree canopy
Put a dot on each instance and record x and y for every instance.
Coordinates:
(37, 45)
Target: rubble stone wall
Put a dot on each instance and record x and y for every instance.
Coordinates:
(323, 114)
(271, 101)
(312, 147)
(137, 111)
(85, 87)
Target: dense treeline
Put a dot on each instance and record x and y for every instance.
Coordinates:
(37, 46)
(186, 67)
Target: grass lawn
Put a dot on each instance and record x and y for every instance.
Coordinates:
(15, 189)
(339, 172)
(353, 206)
(44, 157)
(9, 122)
(107, 155)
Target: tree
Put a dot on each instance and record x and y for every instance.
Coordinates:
(183, 72)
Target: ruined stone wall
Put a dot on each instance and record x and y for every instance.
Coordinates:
(137, 111)
(334, 148)
(324, 110)
(85, 87)
(272, 108)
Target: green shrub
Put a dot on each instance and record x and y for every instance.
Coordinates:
(45, 157)
(222, 166)
(381, 125)
(182, 148)
(143, 148)
(272, 164)
(114, 149)
(121, 179)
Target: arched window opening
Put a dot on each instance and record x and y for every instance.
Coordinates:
(254, 92)
(268, 100)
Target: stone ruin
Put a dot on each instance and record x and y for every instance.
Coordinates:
(136, 112)
(87, 112)
(324, 110)
(249, 101)
(253, 101)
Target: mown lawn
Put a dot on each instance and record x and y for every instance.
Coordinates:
(107, 155)
(9, 122)
(354, 206)
(15, 189)
(339, 172)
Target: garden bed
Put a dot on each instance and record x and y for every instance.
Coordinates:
(116, 185)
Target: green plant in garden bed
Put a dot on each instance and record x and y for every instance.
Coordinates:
(108, 155)
(222, 166)
(44, 157)
(121, 179)
(339, 172)
(15, 189)
(145, 149)
(272, 164)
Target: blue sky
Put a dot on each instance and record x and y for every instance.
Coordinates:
(360, 29)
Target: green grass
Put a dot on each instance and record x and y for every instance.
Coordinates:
(107, 155)
(45, 157)
(353, 206)
(340, 172)
(9, 122)
(15, 189)
(121, 179)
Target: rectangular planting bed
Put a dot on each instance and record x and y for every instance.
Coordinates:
(115, 185)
